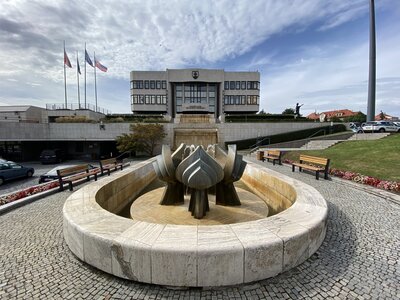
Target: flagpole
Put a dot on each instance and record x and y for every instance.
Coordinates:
(65, 80)
(85, 75)
(77, 78)
(95, 84)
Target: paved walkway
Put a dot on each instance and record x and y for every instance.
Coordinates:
(359, 258)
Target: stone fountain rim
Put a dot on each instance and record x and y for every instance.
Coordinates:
(149, 252)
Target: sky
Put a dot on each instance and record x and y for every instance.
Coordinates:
(314, 52)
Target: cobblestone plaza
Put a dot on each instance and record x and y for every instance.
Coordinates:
(359, 258)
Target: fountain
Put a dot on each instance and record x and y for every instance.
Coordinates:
(208, 250)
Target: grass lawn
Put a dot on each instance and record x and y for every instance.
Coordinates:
(378, 158)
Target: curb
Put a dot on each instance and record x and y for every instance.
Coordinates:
(21, 202)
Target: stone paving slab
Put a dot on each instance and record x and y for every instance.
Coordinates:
(359, 258)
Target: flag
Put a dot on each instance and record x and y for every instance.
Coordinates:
(87, 58)
(66, 60)
(77, 65)
(100, 66)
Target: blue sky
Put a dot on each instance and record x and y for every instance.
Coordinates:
(310, 51)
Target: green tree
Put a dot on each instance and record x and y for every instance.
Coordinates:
(359, 117)
(288, 111)
(144, 138)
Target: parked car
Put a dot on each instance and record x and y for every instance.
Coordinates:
(52, 174)
(380, 126)
(356, 127)
(49, 156)
(11, 170)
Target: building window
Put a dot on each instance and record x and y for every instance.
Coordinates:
(164, 85)
(152, 84)
(226, 85)
(164, 99)
(238, 85)
(243, 85)
(132, 96)
(146, 84)
(134, 84)
(147, 99)
(153, 99)
(140, 84)
(131, 84)
(158, 84)
(243, 100)
(232, 85)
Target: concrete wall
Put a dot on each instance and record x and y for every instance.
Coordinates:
(92, 132)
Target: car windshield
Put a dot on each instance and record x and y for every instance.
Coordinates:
(48, 152)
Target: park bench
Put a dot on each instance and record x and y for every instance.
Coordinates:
(313, 163)
(110, 164)
(274, 155)
(71, 174)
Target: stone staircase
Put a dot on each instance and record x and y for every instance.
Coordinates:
(319, 144)
(368, 136)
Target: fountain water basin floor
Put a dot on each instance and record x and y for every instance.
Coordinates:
(147, 208)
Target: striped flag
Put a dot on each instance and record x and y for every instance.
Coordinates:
(100, 66)
(66, 60)
(87, 59)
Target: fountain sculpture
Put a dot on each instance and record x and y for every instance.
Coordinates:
(200, 171)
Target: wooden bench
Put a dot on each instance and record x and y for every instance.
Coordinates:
(68, 175)
(313, 163)
(274, 155)
(110, 164)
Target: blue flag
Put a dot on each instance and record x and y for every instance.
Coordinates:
(87, 58)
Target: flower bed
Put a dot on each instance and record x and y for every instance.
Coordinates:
(392, 186)
(27, 192)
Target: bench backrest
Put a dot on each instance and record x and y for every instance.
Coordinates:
(108, 161)
(72, 170)
(314, 160)
(274, 153)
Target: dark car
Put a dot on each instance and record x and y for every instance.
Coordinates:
(11, 170)
(52, 174)
(52, 156)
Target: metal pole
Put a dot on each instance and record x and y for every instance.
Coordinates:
(95, 84)
(372, 64)
(85, 75)
(65, 80)
(77, 78)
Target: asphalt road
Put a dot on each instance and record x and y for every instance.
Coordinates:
(21, 183)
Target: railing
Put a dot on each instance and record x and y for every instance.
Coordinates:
(257, 144)
(315, 133)
(75, 106)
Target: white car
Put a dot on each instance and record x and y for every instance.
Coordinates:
(380, 126)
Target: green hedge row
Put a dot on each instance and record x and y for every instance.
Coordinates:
(263, 118)
(286, 137)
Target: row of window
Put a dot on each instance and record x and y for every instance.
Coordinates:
(149, 99)
(241, 85)
(241, 100)
(149, 84)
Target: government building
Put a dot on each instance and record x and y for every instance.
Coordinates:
(194, 91)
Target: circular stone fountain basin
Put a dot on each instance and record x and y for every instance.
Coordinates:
(194, 255)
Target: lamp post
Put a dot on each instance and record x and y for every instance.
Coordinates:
(372, 64)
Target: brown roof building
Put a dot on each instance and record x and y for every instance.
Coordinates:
(327, 115)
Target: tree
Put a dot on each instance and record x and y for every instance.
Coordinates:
(144, 138)
(288, 111)
(359, 117)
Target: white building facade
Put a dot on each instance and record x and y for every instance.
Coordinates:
(194, 91)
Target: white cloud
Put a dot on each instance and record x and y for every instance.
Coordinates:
(155, 35)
